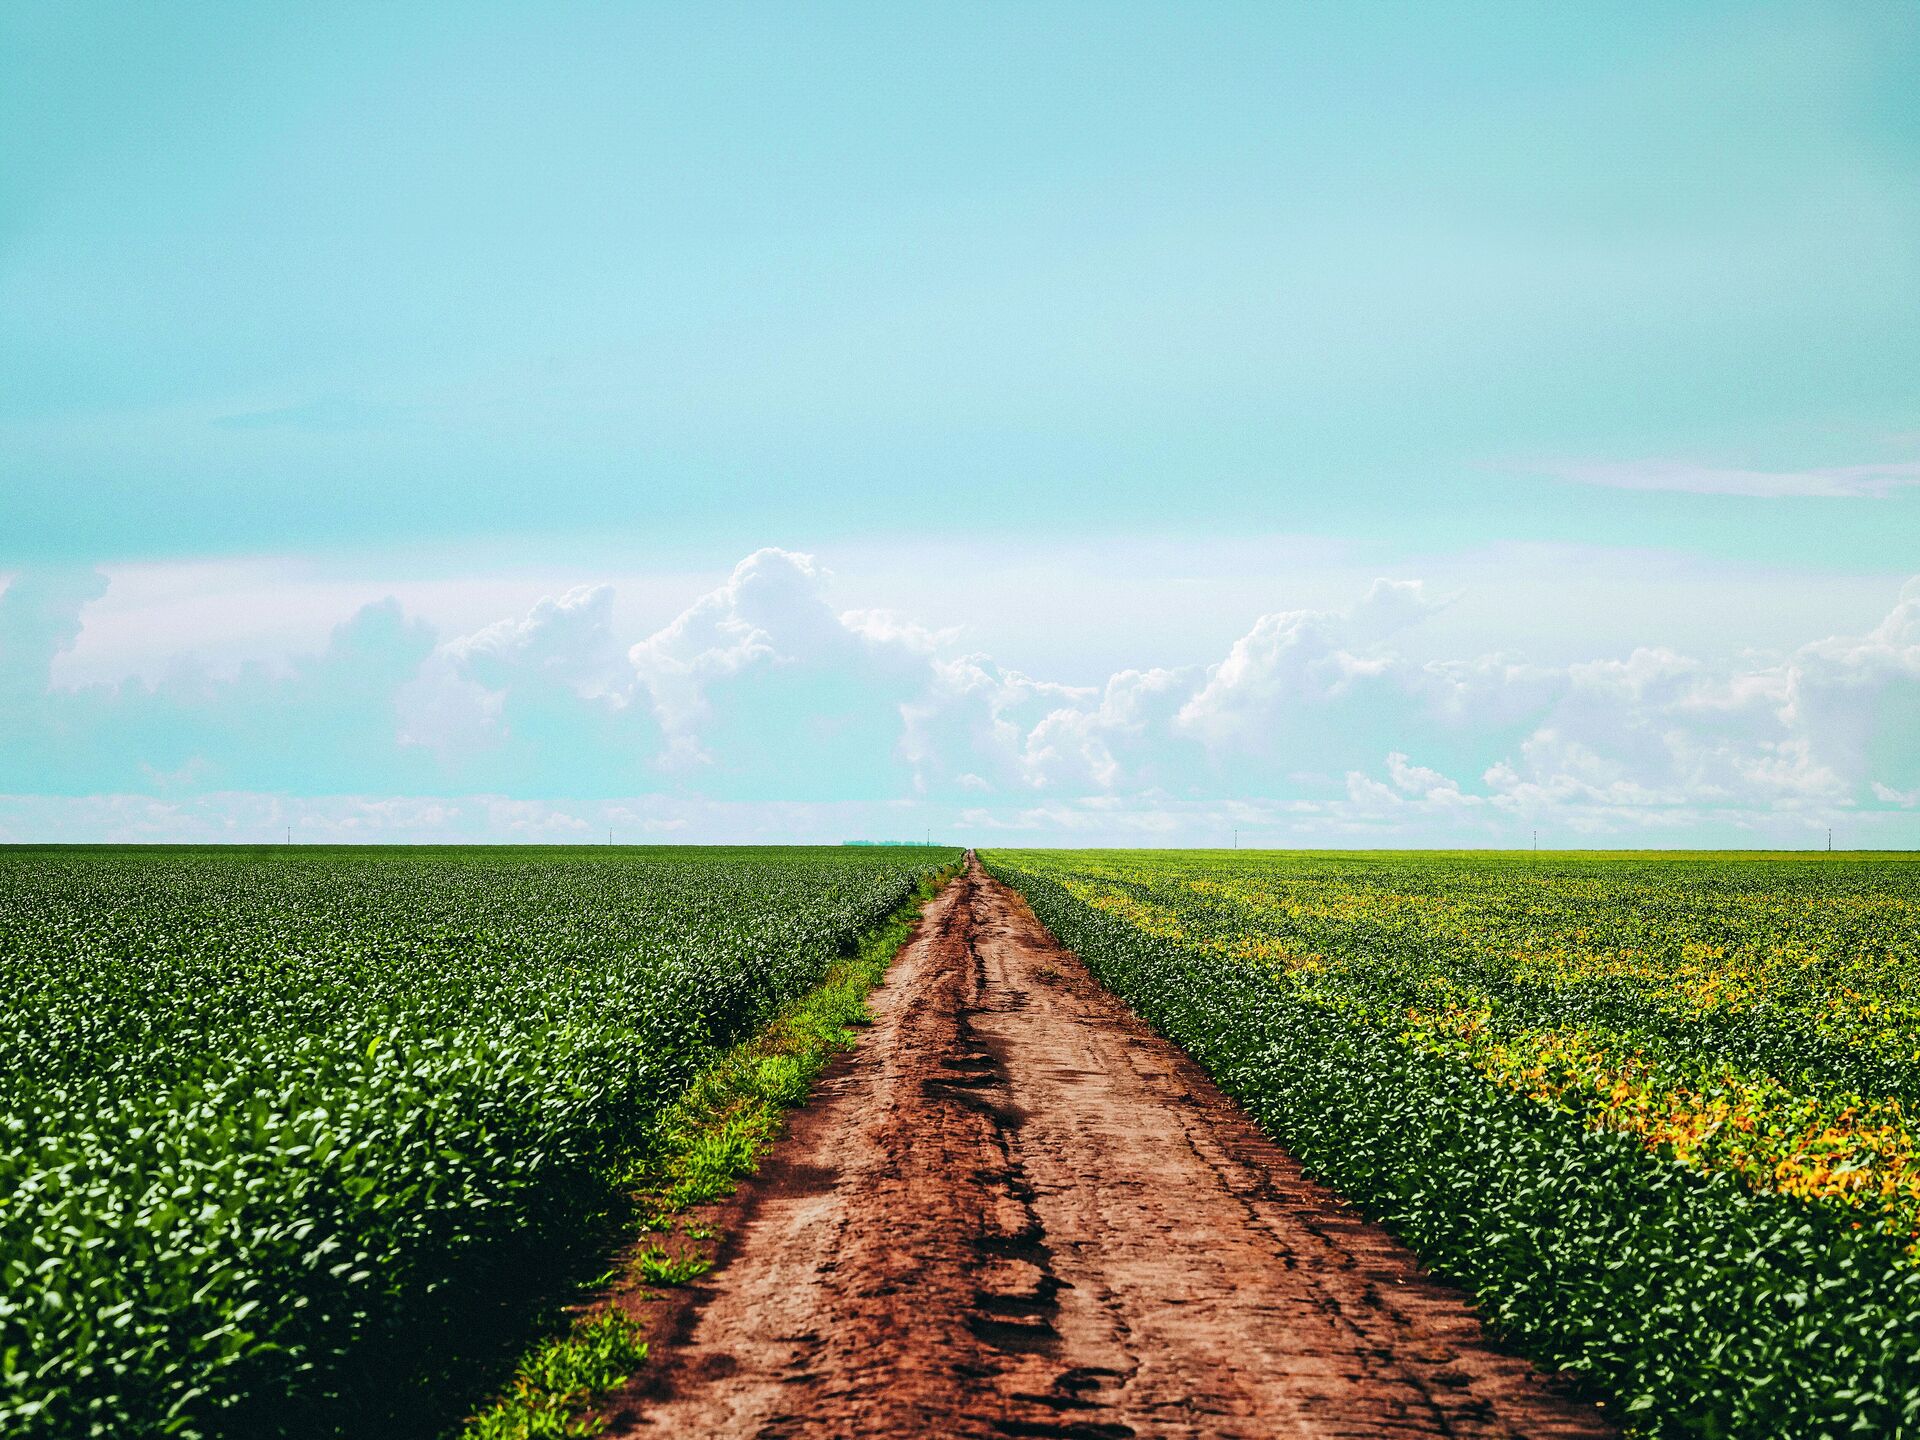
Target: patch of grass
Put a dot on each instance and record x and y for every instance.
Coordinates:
(661, 1266)
(702, 1147)
(561, 1378)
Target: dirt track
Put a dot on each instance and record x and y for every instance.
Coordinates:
(1015, 1211)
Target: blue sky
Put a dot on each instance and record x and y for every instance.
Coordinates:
(424, 421)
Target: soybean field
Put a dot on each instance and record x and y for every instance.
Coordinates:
(277, 1125)
(1657, 1113)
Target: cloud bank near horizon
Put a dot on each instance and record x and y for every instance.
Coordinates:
(761, 711)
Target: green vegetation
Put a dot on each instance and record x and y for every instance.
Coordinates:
(1653, 1111)
(279, 1127)
(704, 1143)
(558, 1383)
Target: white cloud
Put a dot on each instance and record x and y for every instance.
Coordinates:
(1427, 785)
(884, 627)
(443, 711)
(1390, 606)
(255, 817)
(771, 611)
(976, 719)
(1367, 796)
(715, 636)
(564, 641)
(1876, 482)
(761, 692)
(1073, 743)
(801, 690)
(40, 617)
(1303, 658)
(478, 691)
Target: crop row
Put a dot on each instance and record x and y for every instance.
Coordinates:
(1652, 1111)
(274, 1125)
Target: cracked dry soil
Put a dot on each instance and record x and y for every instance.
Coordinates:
(1014, 1210)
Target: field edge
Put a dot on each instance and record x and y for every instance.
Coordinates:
(703, 1146)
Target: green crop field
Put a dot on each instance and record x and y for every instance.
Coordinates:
(1653, 1111)
(274, 1124)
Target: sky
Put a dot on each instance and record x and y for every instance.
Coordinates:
(1070, 424)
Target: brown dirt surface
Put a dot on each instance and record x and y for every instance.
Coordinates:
(1014, 1210)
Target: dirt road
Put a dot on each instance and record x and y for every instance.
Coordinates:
(1015, 1211)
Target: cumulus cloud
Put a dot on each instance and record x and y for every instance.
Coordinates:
(760, 692)
(1297, 660)
(761, 682)
(884, 627)
(527, 699)
(39, 619)
(566, 641)
(1424, 784)
(974, 719)
(1108, 742)
(771, 611)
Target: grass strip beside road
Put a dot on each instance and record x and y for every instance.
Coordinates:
(703, 1146)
